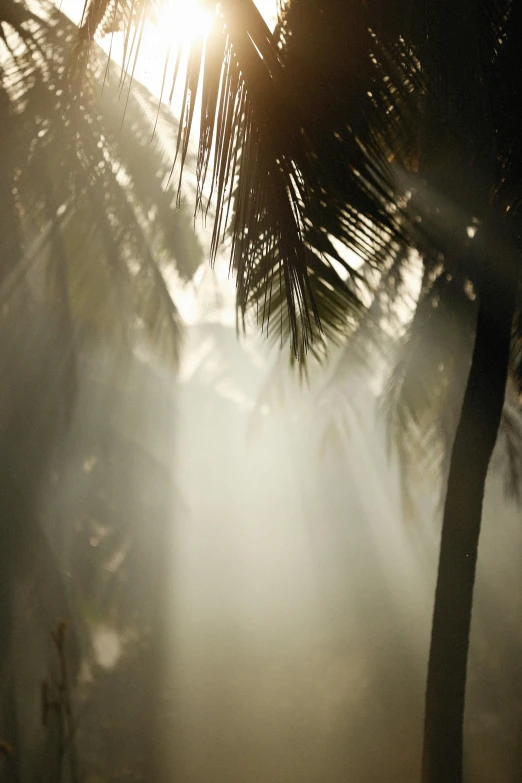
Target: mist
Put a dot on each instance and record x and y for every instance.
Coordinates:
(212, 568)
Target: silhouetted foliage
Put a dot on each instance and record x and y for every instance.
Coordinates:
(89, 247)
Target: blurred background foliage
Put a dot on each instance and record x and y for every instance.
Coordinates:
(89, 246)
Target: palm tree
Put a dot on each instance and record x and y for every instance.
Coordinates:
(399, 137)
(388, 127)
(476, 183)
(90, 244)
(465, 267)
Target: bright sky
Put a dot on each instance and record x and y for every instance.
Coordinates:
(189, 10)
(180, 21)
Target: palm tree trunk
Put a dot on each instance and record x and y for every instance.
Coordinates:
(473, 446)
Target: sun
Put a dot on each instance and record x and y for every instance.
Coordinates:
(183, 21)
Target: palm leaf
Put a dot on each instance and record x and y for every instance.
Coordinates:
(106, 231)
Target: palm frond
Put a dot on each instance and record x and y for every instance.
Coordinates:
(423, 394)
(338, 304)
(259, 140)
(350, 124)
(92, 197)
(509, 449)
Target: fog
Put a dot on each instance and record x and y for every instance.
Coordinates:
(303, 595)
(246, 596)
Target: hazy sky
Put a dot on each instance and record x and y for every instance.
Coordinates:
(158, 38)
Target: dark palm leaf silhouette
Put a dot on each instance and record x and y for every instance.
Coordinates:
(300, 161)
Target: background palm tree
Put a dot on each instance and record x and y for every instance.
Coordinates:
(85, 267)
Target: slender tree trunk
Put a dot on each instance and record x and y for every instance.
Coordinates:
(474, 442)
